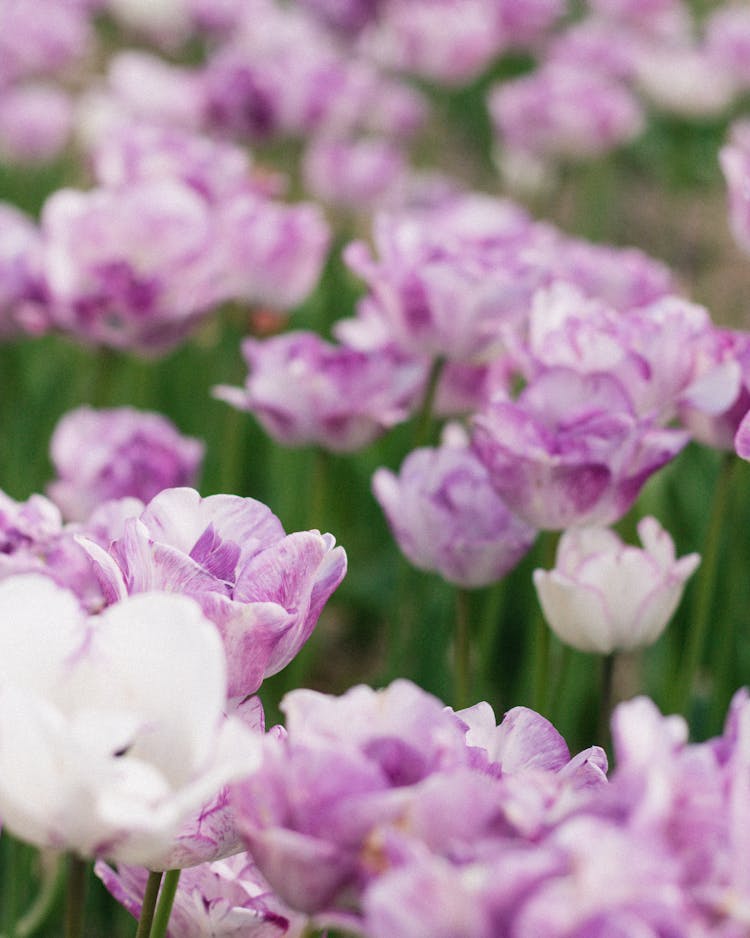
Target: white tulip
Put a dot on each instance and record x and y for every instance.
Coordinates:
(604, 595)
(111, 727)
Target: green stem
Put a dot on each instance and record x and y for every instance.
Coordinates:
(148, 905)
(165, 903)
(462, 651)
(422, 435)
(606, 698)
(10, 885)
(231, 450)
(696, 638)
(37, 913)
(490, 624)
(541, 638)
(75, 906)
(104, 367)
(319, 471)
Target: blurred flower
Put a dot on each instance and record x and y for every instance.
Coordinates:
(570, 450)
(272, 253)
(111, 730)
(42, 38)
(355, 174)
(604, 596)
(684, 80)
(448, 41)
(735, 163)
(33, 539)
(19, 266)
(727, 31)
(447, 517)
(564, 112)
(165, 22)
(668, 19)
(263, 589)
(346, 16)
(110, 454)
(216, 169)
(140, 87)
(304, 390)
(35, 123)
(134, 267)
(665, 352)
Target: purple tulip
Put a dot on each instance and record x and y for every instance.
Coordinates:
(134, 267)
(564, 112)
(100, 455)
(35, 122)
(263, 589)
(570, 450)
(304, 390)
(364, 782)
(447, 517)
(735, 163)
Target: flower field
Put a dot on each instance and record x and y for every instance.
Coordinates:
(374, 429)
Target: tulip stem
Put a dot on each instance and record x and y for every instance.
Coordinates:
(696, 637)
(149, 904)
(36, 914)
(541, 638)
(462, 651)
(165, 903)
(74, 910)
(422, 435)
(606, 698)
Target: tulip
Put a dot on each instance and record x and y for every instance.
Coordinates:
(605, 596)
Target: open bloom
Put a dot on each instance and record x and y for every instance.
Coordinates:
(109, 454)
(571, 450)
(604, 596)
(264, 589)
(132, 267)
(111, 727)
(362, 781)
(304, 390)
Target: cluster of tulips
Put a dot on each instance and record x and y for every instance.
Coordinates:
(492, 396)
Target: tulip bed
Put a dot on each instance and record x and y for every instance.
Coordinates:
(374, 429)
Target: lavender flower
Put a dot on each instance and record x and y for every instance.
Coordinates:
(42, 39)
(112, 454)
(452, 47)
(35, 122)
(727, 39)
(304, 390)
(271, 253)
(356, 786)
(263, 589)
(33, 539)
(19, 266)
(735, 163)
(134, 267)
(571, 450)
(446, 516)
(561, 112)
(136, 152)
(354, 174)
